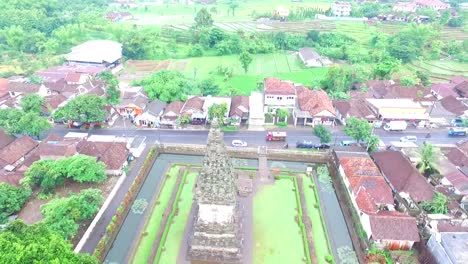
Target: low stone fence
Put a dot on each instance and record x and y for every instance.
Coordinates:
(251, 153)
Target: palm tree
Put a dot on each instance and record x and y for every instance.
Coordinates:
(427, 165)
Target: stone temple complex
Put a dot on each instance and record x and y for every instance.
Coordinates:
(216, 235)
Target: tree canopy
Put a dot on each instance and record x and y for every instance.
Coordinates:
(84, 108)
(12, 199)
(359, 129)
(112, 85)
(438, 205)
(32, 103)
(63, 215)
(16, 121)
(203, 19)
(323, 133)
(428, 162)
(217, 111)
(245, 59)
(168, 86)
(47, 173)
(21, 243)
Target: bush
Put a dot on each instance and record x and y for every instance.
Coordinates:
(282, 124)
(196, 51)
(329, 258)
(456, 22)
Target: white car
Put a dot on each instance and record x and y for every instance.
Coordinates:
(238, 143)
(409, 139)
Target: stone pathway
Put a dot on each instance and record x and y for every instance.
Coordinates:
(166, 214)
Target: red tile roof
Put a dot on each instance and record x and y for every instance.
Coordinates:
(73, 77)
(367, 183)
(17, 149)
(457, 157)
(393, 225)
(354, 107)
(276, 86)
(113, 154)
(451, 104)
(239, 106)
(12, 178)
(174, 107)
(193, 103)
(314, 101)
(462, 88)
(458, 180)
(403, 175)
(3, 87)
(52, 102)
(5, 139)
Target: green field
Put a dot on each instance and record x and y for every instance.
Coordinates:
(182, 14)
(152, 227)
(277, 236)
(440, 70)
(179, 222)
(283, 65)
(318, 229)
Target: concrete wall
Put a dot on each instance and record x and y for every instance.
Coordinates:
(250, 153)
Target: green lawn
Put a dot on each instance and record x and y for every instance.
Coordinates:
(177, 227)
(318, 230)
(152, 226)
(277, 237)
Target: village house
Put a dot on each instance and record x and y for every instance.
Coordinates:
(193, 107)
(62, 72)
(113, 154)
(132, 104)
(104, 53)
(281, 12)
(454, 106)
(310, 58)
(278, 94)
(3, 88)
(353, 107)
(372, 199)
(239, 111)
(449, 247)
(313, 107)
(5, 139)
(256, 111)
(171, 113)
(434, 4)
(12, 157)
(398, 109)
(118, 16)
(341, 8)
(462, 89)
(22, 86)
(405, 7)
(216, 100)
(151, 115)
(402, 176)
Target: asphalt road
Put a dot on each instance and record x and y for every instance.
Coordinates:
(257, 138)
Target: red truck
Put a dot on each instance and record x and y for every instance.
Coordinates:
(275, 136)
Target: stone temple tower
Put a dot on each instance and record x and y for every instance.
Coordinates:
(216, 236)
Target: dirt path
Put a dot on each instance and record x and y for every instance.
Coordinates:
(166, 214)
(306, 221)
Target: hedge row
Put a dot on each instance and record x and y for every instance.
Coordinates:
(117, 220)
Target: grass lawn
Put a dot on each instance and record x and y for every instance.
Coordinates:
(177, 227)
(277, 237)
(318, 230)
(153, 224)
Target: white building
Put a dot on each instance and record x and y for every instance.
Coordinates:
(97, 52)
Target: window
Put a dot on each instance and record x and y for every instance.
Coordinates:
(290, 97)
(279, 98)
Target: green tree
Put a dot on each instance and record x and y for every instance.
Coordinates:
(372, 143)
(83, 168)
(12, 199)
(359, 129)
(428, 162)
(409, 43)
(83, 108)
(385, 68)
(245, 59)
(323, 133)
(63, 215)
(209, 87)
(282, 113)
(43, 173)
(32, 103)
(337, 79)
(232, 6)
(36, 243)
(424, 78)
(444, 17)
(456, 21)
(112, 84)
(203, 19)
(33, 125)
(168, 86)
(438, 205)
(217, 111)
